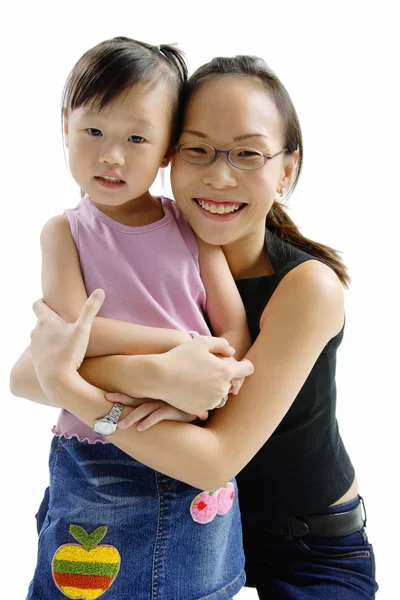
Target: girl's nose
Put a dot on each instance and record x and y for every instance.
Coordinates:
(112, 154)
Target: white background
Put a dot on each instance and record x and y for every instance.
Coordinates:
(339, 61)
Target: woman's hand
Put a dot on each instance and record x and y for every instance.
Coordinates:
(195, 376)
(58, 348)
(148, 412)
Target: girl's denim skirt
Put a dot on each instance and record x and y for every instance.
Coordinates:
(118, 530)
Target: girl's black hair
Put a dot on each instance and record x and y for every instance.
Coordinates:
(113, 66)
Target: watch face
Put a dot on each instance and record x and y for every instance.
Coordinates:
(105, 428)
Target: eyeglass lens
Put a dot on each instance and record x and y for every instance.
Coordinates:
(199, 153)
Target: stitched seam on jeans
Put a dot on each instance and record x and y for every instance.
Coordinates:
(156, 555)
(224, 589)
(52, 469)
(337, 556)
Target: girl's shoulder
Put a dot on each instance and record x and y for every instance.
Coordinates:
(55, 226)
(170, 207)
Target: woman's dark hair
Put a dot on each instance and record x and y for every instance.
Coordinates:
(113, 66)
(278, 220)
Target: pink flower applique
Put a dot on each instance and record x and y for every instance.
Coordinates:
(207, 505)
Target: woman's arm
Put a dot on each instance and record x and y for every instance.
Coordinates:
(24, 382)
(64, 291)
(304, 313)
(171, 376)
(139, 374)
(225, 308)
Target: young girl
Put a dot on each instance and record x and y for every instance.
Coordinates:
(113, 524)
(303, 523)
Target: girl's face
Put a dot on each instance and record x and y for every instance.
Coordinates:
(115, 153)
(227, 112)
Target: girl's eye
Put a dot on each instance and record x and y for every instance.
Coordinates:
(136, 139)
(93, 131)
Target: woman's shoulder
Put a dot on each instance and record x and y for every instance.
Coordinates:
(283, 254)
(312, 292)
(313, 279)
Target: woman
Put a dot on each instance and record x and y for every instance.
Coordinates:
(239, 148)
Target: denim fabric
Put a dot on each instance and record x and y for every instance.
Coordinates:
(339, 568)
(135, 537)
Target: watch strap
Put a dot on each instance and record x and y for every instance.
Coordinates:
(115, 412)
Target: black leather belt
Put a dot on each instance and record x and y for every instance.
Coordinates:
(329, 525)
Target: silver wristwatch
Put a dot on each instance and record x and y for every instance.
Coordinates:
(107, 425)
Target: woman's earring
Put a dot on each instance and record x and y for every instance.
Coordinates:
(279, 195)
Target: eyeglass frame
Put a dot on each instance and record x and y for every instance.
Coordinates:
(227, 153)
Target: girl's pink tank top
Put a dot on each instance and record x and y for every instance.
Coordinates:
(150, 275)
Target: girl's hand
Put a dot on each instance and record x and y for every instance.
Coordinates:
(149, 412)
(57, 347)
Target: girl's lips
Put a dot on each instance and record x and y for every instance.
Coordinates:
(109, 184)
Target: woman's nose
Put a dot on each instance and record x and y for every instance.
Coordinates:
(220, 174)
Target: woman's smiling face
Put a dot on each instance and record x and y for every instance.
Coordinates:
(227, 112)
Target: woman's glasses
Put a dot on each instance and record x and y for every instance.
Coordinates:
(247, 159)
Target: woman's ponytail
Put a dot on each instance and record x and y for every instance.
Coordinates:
(280, 223)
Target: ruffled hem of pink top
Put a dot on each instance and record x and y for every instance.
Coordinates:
(80, 438)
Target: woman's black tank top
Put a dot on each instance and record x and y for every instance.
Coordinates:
(303, 467)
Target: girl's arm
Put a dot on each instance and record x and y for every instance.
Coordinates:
(64, 291)
(225, 308)
(304, 313)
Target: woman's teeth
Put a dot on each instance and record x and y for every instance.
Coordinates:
(220, 209)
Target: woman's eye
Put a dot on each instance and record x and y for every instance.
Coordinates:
(196, 150)
(248, 154)
(136, 139)
(93, 131)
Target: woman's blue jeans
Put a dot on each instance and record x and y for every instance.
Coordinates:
(310, 568)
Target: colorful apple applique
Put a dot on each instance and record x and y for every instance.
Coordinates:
(226, 496)
(85, 570)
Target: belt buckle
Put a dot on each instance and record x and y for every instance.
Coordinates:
(364, 510)
(294, 527)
